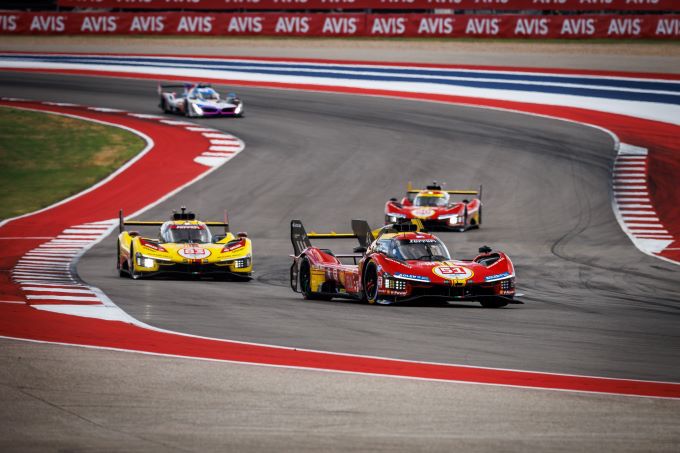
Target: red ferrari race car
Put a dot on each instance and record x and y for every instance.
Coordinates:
(435, 208)
(398, 263)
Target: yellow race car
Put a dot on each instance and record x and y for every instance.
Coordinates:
(185, 246)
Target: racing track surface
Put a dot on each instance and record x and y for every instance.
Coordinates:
(595, 305)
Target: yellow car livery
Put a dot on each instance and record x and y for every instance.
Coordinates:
(185, 245)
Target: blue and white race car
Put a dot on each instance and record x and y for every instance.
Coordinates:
(198, 100)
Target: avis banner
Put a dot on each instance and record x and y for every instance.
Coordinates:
(345, 25)
(505, 5)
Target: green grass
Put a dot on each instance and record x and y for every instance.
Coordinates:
(45, 158)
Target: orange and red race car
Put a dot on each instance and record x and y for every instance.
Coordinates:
(436, 208)
(398, 263)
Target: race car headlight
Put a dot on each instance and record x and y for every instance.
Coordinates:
(241, 263)
(239, 108)
(143, 261)
(452, 218)
(390, 282)
(197, 109)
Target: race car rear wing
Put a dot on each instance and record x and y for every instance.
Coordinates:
(301, 239)
(122, 223)
(412, 192)
(185, 86)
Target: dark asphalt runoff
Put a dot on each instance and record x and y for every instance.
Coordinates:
(594, 304)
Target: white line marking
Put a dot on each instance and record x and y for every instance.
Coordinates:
(58, 285)
(647, 225)
(217, 135)
(83, 230)
(146, 116)
(646, 230)
(223, 142)
(57, 290)
(88, 311)
(630, 150)
(177, 123)
(105, 109)
(71, 298)
(16, 238)
(628, 187)
(223, 148)
(619, 180)
(18, 302)
(201, 129)
(207, 153)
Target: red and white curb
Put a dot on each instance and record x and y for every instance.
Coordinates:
(47, 278)
(632, 204)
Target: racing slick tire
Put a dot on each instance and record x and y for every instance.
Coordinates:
(164, 106)
(305, 277)
(370, 284)
(494, 302)
(119, 267)
(131, 265)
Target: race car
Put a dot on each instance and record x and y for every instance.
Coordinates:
(184, 245)
(398, 263)
(198, 100)
(436, 209)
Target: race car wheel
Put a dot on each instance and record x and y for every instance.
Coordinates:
(119, 266)
(493, 302)
(371, 283)
(131, 265)
(164, 106)
(187, 111)
(306, 282)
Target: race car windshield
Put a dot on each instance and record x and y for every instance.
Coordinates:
(420, 249)
(195, 234)
(426, 200)
(207, 94)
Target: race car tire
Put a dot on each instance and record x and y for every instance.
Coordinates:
(119, 267)
(164, 106)
(305, 276)
(370, 282)
(493, 302)
(131, 265)
(187, 113)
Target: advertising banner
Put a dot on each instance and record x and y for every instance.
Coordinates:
(491, 5)
(345, 25)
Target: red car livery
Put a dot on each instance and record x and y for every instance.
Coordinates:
(398, 263)
(436, 209)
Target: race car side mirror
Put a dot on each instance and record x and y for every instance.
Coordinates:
(218, 237)
(485, 249)
(133, 233)
(466, 201)
(393, 199)
(242, 234)
(359, 250)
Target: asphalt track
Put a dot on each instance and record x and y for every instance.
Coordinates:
(594, 304)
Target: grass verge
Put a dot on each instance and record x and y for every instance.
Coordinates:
(46, 158)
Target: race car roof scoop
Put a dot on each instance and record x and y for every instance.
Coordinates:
(183, 215)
